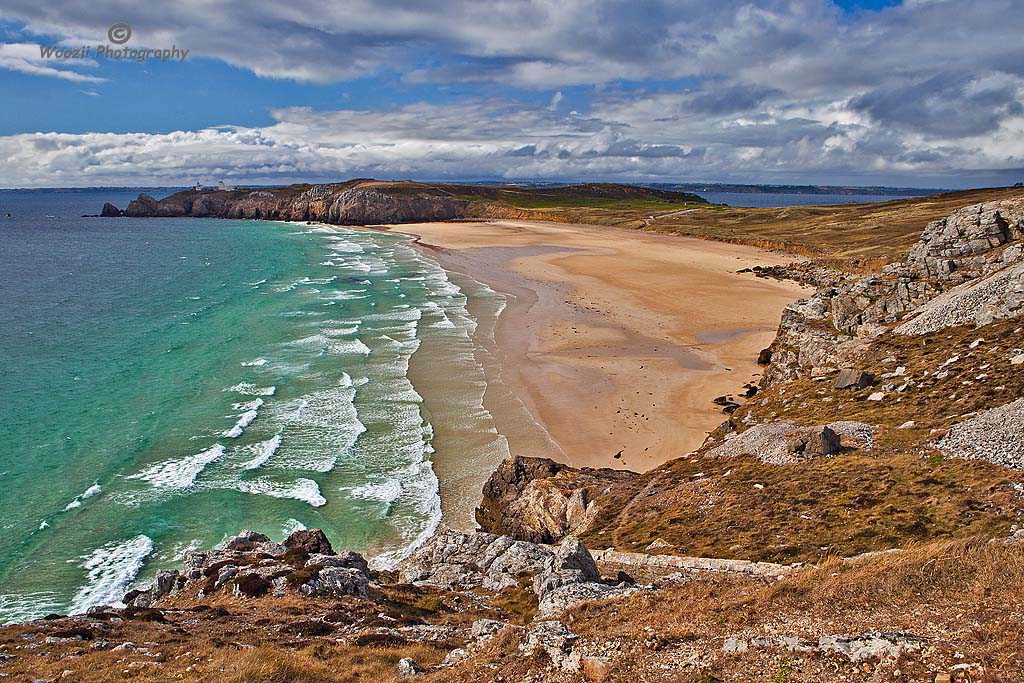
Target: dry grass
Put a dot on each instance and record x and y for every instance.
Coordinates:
(964, 599)
(863, 236)
(845, 505)
(320, 664)
(980, 378)
(226, 639)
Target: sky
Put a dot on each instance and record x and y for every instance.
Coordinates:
(923, 93)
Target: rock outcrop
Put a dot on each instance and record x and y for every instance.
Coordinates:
(541, 501)
(965, 269)
(110, 211)
(994, 435)
(783, 442)
(250, 564)
(562, 576)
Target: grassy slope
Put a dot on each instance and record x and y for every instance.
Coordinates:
(876, 233)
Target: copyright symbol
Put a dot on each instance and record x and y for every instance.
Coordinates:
(119, 33)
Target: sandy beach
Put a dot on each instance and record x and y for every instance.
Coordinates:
(613, 343)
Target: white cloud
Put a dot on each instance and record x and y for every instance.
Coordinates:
(25, 58)
(783, 87)
(498, 138)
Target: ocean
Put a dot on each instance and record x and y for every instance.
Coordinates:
(169, 382)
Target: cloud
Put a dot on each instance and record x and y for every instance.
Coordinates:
(25, 58)
(950, 105)
(500, 138)
(661, 89)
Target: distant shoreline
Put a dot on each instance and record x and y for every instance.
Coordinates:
(739, 188)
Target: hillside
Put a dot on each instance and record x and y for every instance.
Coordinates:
(854, 237)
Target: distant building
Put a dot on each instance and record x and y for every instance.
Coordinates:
(198, 187)
(225, 188)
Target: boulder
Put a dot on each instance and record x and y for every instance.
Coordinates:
(555, 640)
(407, 667)
(572, 555)
(313, 541)
(336, 582)
(853, 379)
(816, 441)
(245, 540)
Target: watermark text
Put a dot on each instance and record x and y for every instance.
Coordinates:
(118, 34)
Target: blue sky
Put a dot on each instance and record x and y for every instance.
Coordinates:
(924, 92)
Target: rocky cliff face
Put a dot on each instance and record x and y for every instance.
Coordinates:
(970, 258)
(340, 204)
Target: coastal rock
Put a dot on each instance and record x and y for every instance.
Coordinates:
(570, 577)
(346, 558)
(833, 328)
(245, 540)
(165, 582)
(313, 541)
(110, 211)
(541, 501)
(357, 202)
(853, 379)
(783, 442)
(336, 582)
(997, 296)
(456, 559)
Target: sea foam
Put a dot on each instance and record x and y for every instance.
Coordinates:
(305, 490)
(179, 474)
(252, 390)
(262, 452)
(244, 420)
(109, 571)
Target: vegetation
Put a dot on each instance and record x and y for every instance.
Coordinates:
(856, 237)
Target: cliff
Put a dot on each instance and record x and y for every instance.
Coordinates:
(353, 203)
(367, 202)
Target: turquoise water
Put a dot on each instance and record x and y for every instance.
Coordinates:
(167, 382)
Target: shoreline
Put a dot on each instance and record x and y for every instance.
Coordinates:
(593, 313)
